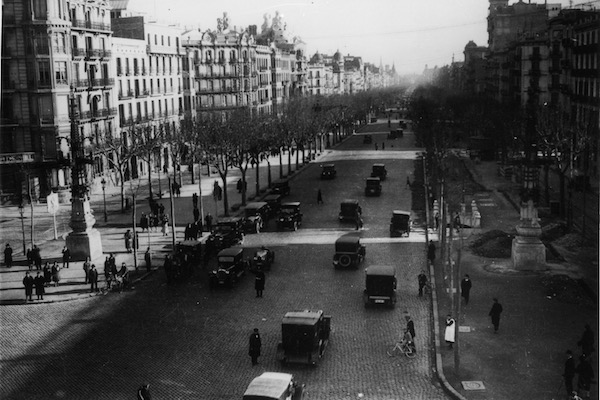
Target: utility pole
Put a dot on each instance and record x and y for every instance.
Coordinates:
(172, 210)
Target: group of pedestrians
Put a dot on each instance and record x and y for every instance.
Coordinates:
(30, 283)
(584, 368)
(158, 217)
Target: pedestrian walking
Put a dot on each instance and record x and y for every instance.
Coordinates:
(143, 392)
(319, 197)
(144, 224)
(358, 220)
(254, 346)
(436, 217)
(161, 209)
(431, 252)
(410, 326)
(93, 278)
(259, 282)
(66, 257)
(29, 257)
(569, 372)
(28, 283)
(408, 184)
(128, 238)
(37, 257)
(148, 259)
(208, 220)
(135, 240)
(376, 147)
(465, 288)
(382, 145)
(587, 341)
(239, 185)
(195, 200)
(39, 282)
(450, 333)
(422, 278)
(8, 258)
(187, 232)
(86, 269)
(165, 225)
(585, 374)
(55, 273)
(495, 314)
(47, 273)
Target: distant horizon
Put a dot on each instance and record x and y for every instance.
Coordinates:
(409, 36)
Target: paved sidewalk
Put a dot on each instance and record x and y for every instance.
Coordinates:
(525, 360)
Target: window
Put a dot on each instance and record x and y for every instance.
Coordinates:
(44, 78)
(60, 70)
(119, 67)
(39, 9)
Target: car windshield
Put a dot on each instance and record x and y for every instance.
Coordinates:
(328, 168)
(288, 211)
(372, 183)
(226, 260)
(223, 228)
(250, 212)
(348, 208)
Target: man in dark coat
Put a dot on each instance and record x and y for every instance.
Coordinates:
(422, 278)
(37, 257)
(586, 374)
(8, 258)
(569, 373)
(66, 257)
(259, 282)
(196, 215)
(431, 252)
(144, 222)
(28, 283)
(39, 283)
(148, 259)
(208, 220)
(93, 278)
(587, 341)
(254, 346)
(465, 288)
(495, 314)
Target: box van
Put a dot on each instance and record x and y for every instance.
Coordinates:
(380, 285)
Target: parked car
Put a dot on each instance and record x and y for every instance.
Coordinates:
(187, 258)
(256, 215)
(400, 223)
(373, 187)
(290, 216)
(328, 171)
(231, 266)
(274, 386)
(304, 337)
(226, 233)
(349, 252)
(379, 171)
(349, 209)
(262, 259)
(395, 134)
(274, 202)
(402, 124)
(367, 139)
(281, 187)
(380, 285)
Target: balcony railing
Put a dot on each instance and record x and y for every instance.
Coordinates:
(99, 113)
(17, 158)
(104, 82)
(85, 24)
(80, 83)
(126, 95)
(79, 52)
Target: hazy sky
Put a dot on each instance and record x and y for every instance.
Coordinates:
(409, 34)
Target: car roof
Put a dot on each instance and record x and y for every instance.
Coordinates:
(291, 203)
(305, 317)
(349, 201)
(399, 212)
(348, 239)
(230, 251)
(381, 270)
(328, 165)
(256, 204)
(379, 165)
(269, 384)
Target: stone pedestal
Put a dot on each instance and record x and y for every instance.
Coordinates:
(85, 240)
(528, 252)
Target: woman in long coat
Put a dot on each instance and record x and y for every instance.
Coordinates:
(449, 334)
(55, 273)
(47, 273)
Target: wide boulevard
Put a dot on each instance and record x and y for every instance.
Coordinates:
(192, 343)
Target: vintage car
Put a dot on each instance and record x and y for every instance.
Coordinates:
(226, 233)
(274, 386)
(256, 216)
(380, 285)
(400, 223)
(349, 209)
(262, 259)
(328, 171)
(367, 139)
(402, 124)
(274, 202)
(281, 187)
(395, 134)
(304, 337)
(231, 266)
(349, 252)
(289, 216)
(373, 187)
(379, 171)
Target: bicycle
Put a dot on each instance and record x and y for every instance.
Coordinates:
(402, 347)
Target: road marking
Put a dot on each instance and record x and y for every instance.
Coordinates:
(370, 154)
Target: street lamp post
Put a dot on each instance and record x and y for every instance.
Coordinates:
(103, 182)
(22, 212)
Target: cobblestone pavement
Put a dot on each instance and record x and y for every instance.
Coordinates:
(191, 343)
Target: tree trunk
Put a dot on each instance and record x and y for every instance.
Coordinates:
(122, 190)
(562, 195)
(136, 238)
(280, 166)
(225, 199)
(150, 178)
(269, 171)
(289, 161)
(547, 184)
(192, 171)
(244, 185)
(297, 158)
(257, 179)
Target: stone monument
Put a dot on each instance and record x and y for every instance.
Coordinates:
(528, 251)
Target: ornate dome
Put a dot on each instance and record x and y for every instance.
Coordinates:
(338, 56)
(317, 58)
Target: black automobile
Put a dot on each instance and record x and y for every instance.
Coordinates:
(380, 285)
(256, 215)
(226, 233)
(349, 252)
(400, 223)
(373, 187)
(379, 171)
(367, 139)
(395, 134)
(262, 259)
(304, 337)
(274, 202)
(349, 210)
(281, 187)
(231, 266)
(328, 171)
(289, 216)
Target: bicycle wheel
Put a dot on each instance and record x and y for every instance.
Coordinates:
(409, 352)
(392, 350)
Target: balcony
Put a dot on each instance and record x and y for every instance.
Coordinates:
(143, 93)
(98, 114)
(80, 84)
(86, 24)
(103, 82)
(126, 95)
(79, 52)
(94, 53)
